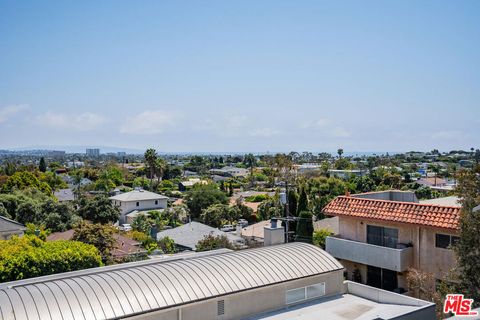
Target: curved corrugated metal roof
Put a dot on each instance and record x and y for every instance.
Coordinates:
(106, 293)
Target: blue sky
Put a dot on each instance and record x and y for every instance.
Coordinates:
(241, 76)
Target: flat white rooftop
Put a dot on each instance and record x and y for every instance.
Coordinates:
(359, 302)
(342, 307)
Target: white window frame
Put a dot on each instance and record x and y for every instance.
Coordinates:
(290, 297)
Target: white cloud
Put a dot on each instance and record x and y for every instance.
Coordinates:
(340, 132)
(148, 122)
(264, 132)
(320, 123)
(80, 122)
(9, 111)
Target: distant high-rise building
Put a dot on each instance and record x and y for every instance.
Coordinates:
(56, 153)
(93, 152)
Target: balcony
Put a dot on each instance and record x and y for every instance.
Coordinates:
(383, 257)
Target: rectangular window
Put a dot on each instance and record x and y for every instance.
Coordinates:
(138, 204)
(156, 202)
(445, 241)
(295, 295)
(316, 290)
(382, 236)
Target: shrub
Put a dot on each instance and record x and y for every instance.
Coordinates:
(29, 256)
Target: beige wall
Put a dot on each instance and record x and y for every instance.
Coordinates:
(242, 304)
(426, 257)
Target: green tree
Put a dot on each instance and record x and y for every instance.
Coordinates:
(142, 223)
(304, 230)
(468, 247)
(28, 256)
(140, 182)
(105, 181)
(218, 214)
(200, 197)
(4, 212)
(320, 236)
(167, 245)
(270, 208)
(42, 166)
(58, 216)
(99, 235)
(340, 152)
(302, 200)
(25, 180)
(160, 166)
(211, 242)
(98, 210)
(292, 202)
(151, 161)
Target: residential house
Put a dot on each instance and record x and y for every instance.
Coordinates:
(185, 185)
(123, 246)
(138, 199)
(290, 281)
(432, 182)
(230, 171)
(187, 236)
(256, 232)
(8, 228)
(382, 234)
(64, 195)
(345, 174)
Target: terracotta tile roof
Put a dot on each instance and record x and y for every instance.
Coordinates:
(395, 211)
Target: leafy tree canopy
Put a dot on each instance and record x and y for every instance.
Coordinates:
(211, 242)
(202, 196)
(98, 210)
(29, 256)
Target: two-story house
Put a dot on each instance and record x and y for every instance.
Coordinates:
(138, 199)
(382, 234)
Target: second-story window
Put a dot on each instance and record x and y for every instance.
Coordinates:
(445, 241)
(156, 202)
(382, 236)
(138, 204)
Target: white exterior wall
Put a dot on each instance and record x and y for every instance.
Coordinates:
(129, 206)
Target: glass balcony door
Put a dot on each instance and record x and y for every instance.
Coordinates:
(382, 236)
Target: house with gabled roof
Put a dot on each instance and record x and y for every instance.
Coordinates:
(138, 199)
(383, 234)
(8, 228)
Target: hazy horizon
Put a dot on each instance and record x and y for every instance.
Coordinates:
(214, 76)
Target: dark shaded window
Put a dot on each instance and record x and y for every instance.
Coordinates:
(138, 204)
(445, 241)
(382, 278)
(382, 236)
(156, 202)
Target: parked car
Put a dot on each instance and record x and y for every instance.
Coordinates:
(125, 227)
(242, 223)
(227, 227)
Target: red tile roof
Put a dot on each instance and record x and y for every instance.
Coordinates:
(395, 211)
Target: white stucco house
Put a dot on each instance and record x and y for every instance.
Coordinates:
(138, 199)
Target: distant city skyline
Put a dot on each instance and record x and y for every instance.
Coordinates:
(217, 76)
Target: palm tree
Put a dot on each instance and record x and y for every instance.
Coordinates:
(436, 171)
(150, 160)
(340, 152)
(250, 161)
(160, 166)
